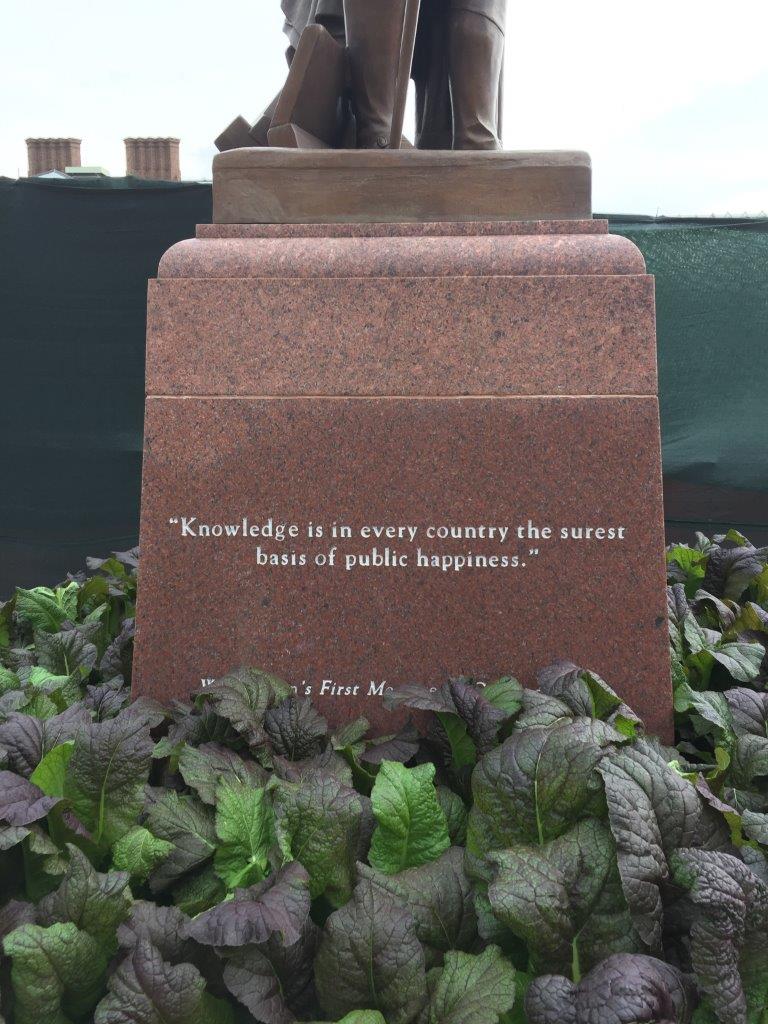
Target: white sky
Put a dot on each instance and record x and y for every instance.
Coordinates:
(670, 97)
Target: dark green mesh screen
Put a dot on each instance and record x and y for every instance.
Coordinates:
(712, 314)
(74, 261)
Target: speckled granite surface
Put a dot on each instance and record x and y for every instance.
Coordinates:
(510, 385)
(447, 256)
(435, 228)
(406, 336)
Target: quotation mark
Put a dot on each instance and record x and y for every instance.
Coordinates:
(533, 551)
(174, 520)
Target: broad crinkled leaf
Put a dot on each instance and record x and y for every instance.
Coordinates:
(359, 1017)
(199, 890)
(726, 613)
(243, 698)
(139, 852)
(107, 699)
(505, 693)
(741, 659)
(14, 914)
(9, 681)
(449, 737)
(585, 693)
(190, 828)
(146, 990)
(370, 958)
(401, 747)
(322, 824)
(53, 967)
(749, 760)
(45, 864)
(12, 835)
(21, 802)
(652, 812)
(351, 733)
(51, 774)
(756, 826)
(165, 927)
(273, 981)
(685, 565)
(412, 828)
(15, 700)
(96, 903)
(539, 711)
(564, 899)
(45, 689)
(536, 785)
(438, 895)
(117, 658)
(710, 705)
(473, 989)
(624, 989)
(746, 734)
(749, 711)
(329, 762)
(245, 828)
(482, 718)
(731, 568)
(45, 609)
(728, 921)
(278, 906)
(295, 729)
(27, 739)
(203, 767)
(756, 861)
(456, 814)
(65, 653)
(420, 698)
(463, 698)
(107, 775)
(194, 727)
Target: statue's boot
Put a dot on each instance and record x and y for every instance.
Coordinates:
(374, 35)
(475, 58)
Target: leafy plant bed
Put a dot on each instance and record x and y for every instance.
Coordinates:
(531, 855)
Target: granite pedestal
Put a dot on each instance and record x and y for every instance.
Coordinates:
(390, 453)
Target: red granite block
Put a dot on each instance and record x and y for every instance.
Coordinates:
(454, 313)
(596, 226)
(402, 376)
(402, 256)
(208, 603)
(402, 336)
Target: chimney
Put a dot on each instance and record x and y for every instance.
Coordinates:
(153, 158)
(45, 155)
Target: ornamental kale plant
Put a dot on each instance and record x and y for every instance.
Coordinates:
(508, 856)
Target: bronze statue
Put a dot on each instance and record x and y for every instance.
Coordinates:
(453, 50)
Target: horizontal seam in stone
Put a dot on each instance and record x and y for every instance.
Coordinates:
(406, 277)
(374, 398)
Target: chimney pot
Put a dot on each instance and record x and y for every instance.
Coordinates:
(44, 155)
(156, 158)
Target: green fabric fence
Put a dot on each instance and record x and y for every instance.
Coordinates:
(712, 314)
(75, 257)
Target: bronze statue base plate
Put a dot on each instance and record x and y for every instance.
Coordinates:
(293, 186)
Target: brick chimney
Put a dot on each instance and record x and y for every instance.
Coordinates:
(45, 155)
(153, 158)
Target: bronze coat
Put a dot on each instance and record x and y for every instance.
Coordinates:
(430, 66)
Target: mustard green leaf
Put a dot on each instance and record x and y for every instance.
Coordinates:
(412, 828)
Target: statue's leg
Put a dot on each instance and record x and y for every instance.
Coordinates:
(374, 30)
(476, 56)
(336, 27)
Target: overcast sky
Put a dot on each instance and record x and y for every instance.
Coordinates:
(670, 97)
